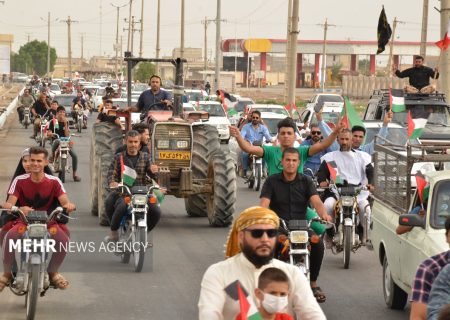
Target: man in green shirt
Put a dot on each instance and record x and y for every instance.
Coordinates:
(286, 136)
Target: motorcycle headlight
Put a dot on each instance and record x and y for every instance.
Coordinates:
(182, 144)
(139, 200)
(37, 230)
(163, 144)
(347, 201)
(299, 236)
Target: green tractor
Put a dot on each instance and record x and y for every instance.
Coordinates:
(187, 151)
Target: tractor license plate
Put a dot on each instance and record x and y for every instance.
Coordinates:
(174, 155)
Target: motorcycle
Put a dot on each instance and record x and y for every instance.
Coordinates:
(254, 181)
(347, 237)
(30, 276)
(60, 164)
(41, 136)
(133, 227)
(26, 116)
(81, 118)
(296, 238)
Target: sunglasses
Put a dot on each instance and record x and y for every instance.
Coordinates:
(258, 233)
(316, 132)
(255, 118)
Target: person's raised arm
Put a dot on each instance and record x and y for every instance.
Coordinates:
(326, 130)
(325, 143)
(244, 144)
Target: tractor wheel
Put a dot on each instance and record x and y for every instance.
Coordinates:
(205, 143)
(221, 201)
(107, 137)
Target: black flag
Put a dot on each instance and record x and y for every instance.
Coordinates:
(384, 32)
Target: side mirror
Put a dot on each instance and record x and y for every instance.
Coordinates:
(411, 220)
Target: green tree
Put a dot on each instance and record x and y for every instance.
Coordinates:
(335, 70)
(144, 71)
(364, 67)
(33, 57)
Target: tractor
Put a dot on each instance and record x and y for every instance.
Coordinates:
(187, 151)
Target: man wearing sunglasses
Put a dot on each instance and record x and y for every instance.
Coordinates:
(358, 134)
(254, 131)
(313, 162)
(250, 250)
(288, 194)
(286, 136)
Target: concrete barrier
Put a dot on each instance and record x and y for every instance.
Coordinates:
(361, 87)
(10, 108)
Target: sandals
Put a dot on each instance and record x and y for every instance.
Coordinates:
(319, 295)
(4, 282)
(59, 282)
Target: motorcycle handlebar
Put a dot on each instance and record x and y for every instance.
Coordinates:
(16, 211)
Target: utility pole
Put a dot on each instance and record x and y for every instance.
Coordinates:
(217, 69)
(48, 44)
(182, 31)
(288, 39)
(423, 37)
(324, 54)
(129, 27)
(293, 55)
(69, 43)
(133, 30)
(28, 37)
(101, 25)
(116, 45)
(142, 30)
(158, 22)
(205, 61)
(82, 46)
(444, 66)
(391, 47)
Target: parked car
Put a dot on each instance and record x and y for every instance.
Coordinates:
(275, 108)
(217, 118)
(326, 99)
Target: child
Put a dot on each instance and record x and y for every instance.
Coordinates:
(272, 293)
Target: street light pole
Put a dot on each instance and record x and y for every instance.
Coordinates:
(142, 30)
(116, 46)
(293, 34)
(158, 20)
(217, 68)
(129, 27)
(182, 31)
(48, 44)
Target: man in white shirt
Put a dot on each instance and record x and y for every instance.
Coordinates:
(254, 233)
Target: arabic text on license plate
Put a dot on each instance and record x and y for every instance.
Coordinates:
(168, 155)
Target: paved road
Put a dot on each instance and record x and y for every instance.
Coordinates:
(102, 288)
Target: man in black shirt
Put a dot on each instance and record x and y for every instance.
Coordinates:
(419, 77)
(288, 194)
(59, 127)
(103, 115)
(39, 109)
(144, 132)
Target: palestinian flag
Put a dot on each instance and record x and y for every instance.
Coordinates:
(397, 100)
(334, 172)
(443, 44)
(423, 187)
(350, 116)
(415, 126)
(128, 174)
(248, 310)
(232, 112)
(384, 32)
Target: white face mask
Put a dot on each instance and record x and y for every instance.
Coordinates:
(273, 304)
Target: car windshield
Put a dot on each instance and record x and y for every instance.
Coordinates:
(330, 98)
(54, 87)
(437, 115)
(274, 110)
(194, 96)
(214, 110)
(64, 100)
(331, 118)
(240, 105)
(271, 124)
(441, 204)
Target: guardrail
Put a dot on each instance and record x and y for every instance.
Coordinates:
(5, 112)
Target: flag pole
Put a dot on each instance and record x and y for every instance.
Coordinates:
(437, 64)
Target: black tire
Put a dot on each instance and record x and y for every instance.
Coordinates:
(347, 245)
(258, 177)
(26, 125)
(41, 140)
(394, 296)
(251, 181)
(62, 170)
(221, 202)
(139, 257)
(205, 142)
(107, 137)
(79, 125)
(33, 292)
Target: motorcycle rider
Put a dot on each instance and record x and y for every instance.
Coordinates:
(288, 194)
(140, 162)
(39, 109)
(358, 134)
(144, 132)
(37, 191)
(208, 87)
(354, 167)
(286, 137)
(254, 131)
(313, 162)
(154, 95)
(25, 100)
(103, 114)
(78, 102)
(60, 126)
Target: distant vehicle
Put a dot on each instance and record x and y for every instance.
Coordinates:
(269, 108)
(330, 114)
(194, 95)
(326, 99)
(97, 97)
(217, 118)
(187, 107)
(242, 103)
(55, 89)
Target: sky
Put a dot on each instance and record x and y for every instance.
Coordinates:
(353, 20)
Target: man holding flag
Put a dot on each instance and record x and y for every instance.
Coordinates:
(131, 168)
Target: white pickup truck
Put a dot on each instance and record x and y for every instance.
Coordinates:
(394, 198)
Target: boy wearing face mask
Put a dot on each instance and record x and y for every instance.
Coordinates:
(272, 294)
